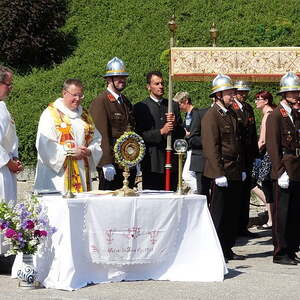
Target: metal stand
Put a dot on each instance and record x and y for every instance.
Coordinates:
(180, 190)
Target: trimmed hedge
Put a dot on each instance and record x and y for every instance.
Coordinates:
(137, 32)
(29, 32)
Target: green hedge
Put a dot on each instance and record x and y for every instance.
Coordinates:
(137, 32)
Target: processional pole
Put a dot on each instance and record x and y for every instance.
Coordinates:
(213, 34)
(168, 165)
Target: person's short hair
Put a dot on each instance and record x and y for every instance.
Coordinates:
(181, 96)
(72, 81)
(153, 73)
(3, 73)
(266, 96)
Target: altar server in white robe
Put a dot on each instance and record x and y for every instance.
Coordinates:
(9, 163)
(66, 120)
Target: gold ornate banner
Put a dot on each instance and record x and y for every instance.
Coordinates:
(256, 64)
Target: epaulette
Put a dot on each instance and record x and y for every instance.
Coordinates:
(235, 106)
(111, 98)
(283, 112)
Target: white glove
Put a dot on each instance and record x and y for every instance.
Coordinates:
(221, 181)
(244, 176)
(109, 172)
(283, 181)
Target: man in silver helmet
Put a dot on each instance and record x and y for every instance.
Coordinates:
(112, 114)
(246, 121)
(223, 150)
(283, 145)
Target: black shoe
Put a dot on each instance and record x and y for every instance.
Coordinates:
(249, 234)
(284, 260)
(295, 258)
(234, 256)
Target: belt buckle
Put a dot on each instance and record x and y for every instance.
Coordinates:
(298, 152)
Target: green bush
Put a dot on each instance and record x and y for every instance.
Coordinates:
(29, 32)
(137, 32)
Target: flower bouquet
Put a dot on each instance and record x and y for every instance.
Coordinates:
(24, 225)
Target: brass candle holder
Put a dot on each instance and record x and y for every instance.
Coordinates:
(180, 146)
(69, 147)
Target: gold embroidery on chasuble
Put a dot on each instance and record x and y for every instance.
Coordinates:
(64, 127)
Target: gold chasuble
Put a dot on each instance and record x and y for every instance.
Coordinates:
(64, 127)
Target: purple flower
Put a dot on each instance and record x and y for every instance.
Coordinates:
(43, 233)
(37, 233)
(11, 234)
(29, 224)
(20, 236)
(53, 229)
(4, 225)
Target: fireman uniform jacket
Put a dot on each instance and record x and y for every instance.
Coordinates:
(247, 126)
(111, 118)
(222, 144)
(283, 144)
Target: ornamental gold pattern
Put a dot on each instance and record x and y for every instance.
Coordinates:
(129, 149)
(256, 64)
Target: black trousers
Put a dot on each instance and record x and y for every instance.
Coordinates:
(286, 219)
(225, 212)
(117, 182)
(267, 188)
(245, 204)
(203, 185)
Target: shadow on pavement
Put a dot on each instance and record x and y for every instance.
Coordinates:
(232, 273)
(261, 254)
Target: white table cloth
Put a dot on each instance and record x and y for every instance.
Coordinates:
(155, 236)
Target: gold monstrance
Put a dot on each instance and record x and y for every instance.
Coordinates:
(129, 150)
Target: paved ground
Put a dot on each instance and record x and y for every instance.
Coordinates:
(254, 278)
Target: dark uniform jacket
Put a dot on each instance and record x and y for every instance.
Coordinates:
(246, 121)
(222, 145)
(194, 140)
(150, 118)
(282, 141)
(111, 119)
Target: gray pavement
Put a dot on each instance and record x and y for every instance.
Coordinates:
(254, 278)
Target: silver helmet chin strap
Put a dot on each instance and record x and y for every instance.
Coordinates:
(117, 89)
(220, 99)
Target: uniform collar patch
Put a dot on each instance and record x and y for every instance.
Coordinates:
(235, 106)
(221, 112)
(283, 112)
(111, 98)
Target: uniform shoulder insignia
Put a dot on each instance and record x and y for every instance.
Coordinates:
(235, 106)
(283, 112)
(111, 98)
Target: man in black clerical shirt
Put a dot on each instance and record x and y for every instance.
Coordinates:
(154, 123)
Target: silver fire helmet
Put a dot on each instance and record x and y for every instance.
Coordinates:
(242, 86)
(221, 83)
(290, 82)
(115, 67)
